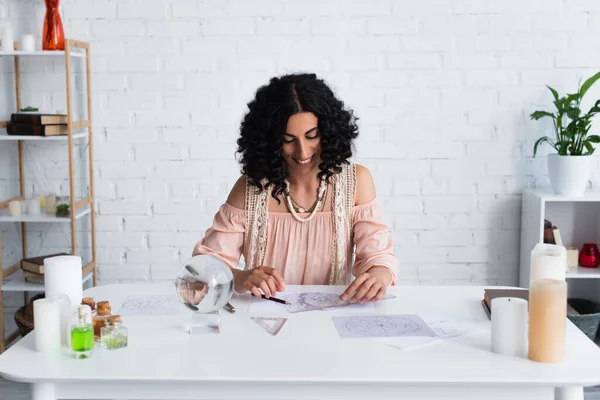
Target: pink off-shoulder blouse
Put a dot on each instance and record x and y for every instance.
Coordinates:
(301, 252)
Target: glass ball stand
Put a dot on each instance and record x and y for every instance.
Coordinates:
(204, 285)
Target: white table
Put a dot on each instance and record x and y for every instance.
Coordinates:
(306, 360)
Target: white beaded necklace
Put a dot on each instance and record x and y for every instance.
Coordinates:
(320, 199)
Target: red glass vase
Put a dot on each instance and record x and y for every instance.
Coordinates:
(589, 255)
(53, 36)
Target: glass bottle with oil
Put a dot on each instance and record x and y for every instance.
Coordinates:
(102, 313)
(114, 334)
(82, 333)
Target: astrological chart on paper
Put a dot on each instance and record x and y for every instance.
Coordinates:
(309, 301)
(161, 304)
(377, 326)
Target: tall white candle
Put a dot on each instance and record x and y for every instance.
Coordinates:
(64, 305)
(548, 261)
(509, 326)
(46, 325)
(62, 274)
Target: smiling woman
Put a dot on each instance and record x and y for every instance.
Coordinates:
(302, 213)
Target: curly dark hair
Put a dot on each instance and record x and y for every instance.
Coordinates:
(262, 129)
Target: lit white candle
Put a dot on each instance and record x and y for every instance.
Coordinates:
(548, 261)
(14, 208)
(62, 274)
(509, 326)
(46, 325)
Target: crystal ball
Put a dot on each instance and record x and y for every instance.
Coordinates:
(204, 284)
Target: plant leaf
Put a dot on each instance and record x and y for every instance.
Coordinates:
(573, 112)
(595, 108)
(593, 139)
(540, 114)
(571, 98)
(588, 84)
(589, 147)
(554, 93)
(538, 142)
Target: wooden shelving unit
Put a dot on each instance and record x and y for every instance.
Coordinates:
(11, 278)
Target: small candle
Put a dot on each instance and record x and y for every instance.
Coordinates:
(509, 326)
(547, 320)
(46, 323)
(7, 39)
(24, 208)
(14, 208)
(34, 207)
(27, 43)
(548, 261)
(50, 204)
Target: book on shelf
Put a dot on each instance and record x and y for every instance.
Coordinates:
(38, 118)
(33, 278)
(36, 264)
(17, 128)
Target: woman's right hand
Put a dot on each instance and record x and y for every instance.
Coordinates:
(266, 279)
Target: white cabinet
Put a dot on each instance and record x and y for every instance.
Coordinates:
(578, 220)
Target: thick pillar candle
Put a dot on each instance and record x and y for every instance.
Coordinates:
(547, 320)
(62, 274)
(548, 261)
(46, 325)
(509, 326)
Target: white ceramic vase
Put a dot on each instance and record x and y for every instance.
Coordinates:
(569, 175)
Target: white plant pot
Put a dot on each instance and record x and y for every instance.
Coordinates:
(569, 175)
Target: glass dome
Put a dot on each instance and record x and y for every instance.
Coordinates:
(204, 284)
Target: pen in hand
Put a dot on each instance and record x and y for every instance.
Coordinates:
(275, 299)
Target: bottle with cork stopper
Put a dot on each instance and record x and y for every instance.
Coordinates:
(114, 334)
(89, 301)
(102, 314)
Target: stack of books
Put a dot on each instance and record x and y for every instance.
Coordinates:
(521, 293)
(33, 268)
(37, 124)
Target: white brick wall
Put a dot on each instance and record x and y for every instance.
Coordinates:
(443, 90)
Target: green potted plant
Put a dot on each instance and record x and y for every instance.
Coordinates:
(62, 210)
(569, 168)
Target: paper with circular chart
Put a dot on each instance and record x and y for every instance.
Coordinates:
(377, 326)
(309, 301)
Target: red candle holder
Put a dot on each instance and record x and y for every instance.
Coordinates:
(589, 256)
(53, 36)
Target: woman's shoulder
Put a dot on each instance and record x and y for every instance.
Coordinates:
(237, 196)
(365, 188)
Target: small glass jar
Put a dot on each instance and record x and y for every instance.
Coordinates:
(82, 333)
(114, 334)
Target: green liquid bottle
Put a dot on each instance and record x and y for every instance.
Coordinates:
(82, 334)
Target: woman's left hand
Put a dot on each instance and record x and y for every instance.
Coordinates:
(371, 285)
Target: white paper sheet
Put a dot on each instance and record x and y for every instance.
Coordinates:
(444, 327)
(374, 326)
(162, 304)
(310, 301)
